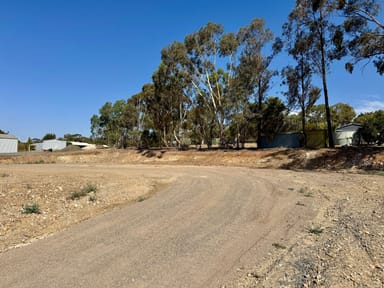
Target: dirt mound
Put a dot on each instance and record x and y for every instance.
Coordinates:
(363, 158)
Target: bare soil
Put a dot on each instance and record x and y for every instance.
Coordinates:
(341, 246)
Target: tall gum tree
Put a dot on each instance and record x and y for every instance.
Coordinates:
(253, 72)
(362, 32)
(211, 55)
(172, 89)
(314, 17)
(298, 79)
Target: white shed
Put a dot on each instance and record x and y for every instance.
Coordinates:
(348, 135)
(8, 143)
(50, 145)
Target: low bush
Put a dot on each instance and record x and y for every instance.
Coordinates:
(90, 188)
(31, 209)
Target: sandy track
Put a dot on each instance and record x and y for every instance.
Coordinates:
(194, 234)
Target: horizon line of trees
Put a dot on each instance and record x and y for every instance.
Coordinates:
(215, 84)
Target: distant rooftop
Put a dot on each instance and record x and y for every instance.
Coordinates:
(7, 136)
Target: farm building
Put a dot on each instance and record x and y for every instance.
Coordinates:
(8, 143)
(288, 140)
(317, 138)
(50, 145)
(348, 135)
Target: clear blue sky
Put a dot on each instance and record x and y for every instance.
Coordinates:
(61, 60)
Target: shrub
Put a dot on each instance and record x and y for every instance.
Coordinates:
(279, 246)
(315, 230)
(90, 188)
(31, 209)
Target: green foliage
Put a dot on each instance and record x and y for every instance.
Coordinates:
(89, 188)
(31, 209)
(372, 130)
(317, 230)
(300, 93)
(141, 199)
(363, 32)
(211, 84)
(115, 120)
(279, 246)
(169, 101)
(215, 84)
(76, 138)
(149, 138)
(254, 72)
(49, 136)
(341, 114)
(311, 31)
(273, 115)
(202, 89)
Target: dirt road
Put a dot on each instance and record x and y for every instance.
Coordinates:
(210, 227)
(192, 235)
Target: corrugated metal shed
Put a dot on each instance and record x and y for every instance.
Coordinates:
(317, 138)
(348, 135)
(288, 140)
(50, 145)
(8, 143)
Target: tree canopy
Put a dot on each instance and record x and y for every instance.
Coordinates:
(49, 136)
(213, 87)
(364, 33)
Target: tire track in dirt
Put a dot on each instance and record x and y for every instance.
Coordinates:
(193, 234)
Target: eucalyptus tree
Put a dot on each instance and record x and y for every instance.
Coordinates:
(202, 122)
(300, 93)
(274, 114)
(211, 54)
(341, 114)
(254, 72)
(365, 30)
(173, 91)
(298, 79)
(49, 136)
(157, 106)
(134, 119)
(313, 17)
(372, 129)
(107, 127)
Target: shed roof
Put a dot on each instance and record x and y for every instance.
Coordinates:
(349, 127)
(7, 136)
(54, 141)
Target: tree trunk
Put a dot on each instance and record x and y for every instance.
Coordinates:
(259, 120)
(302, 105)
(331, 143)
(328, 115)
(303, 125)
(165, 137)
